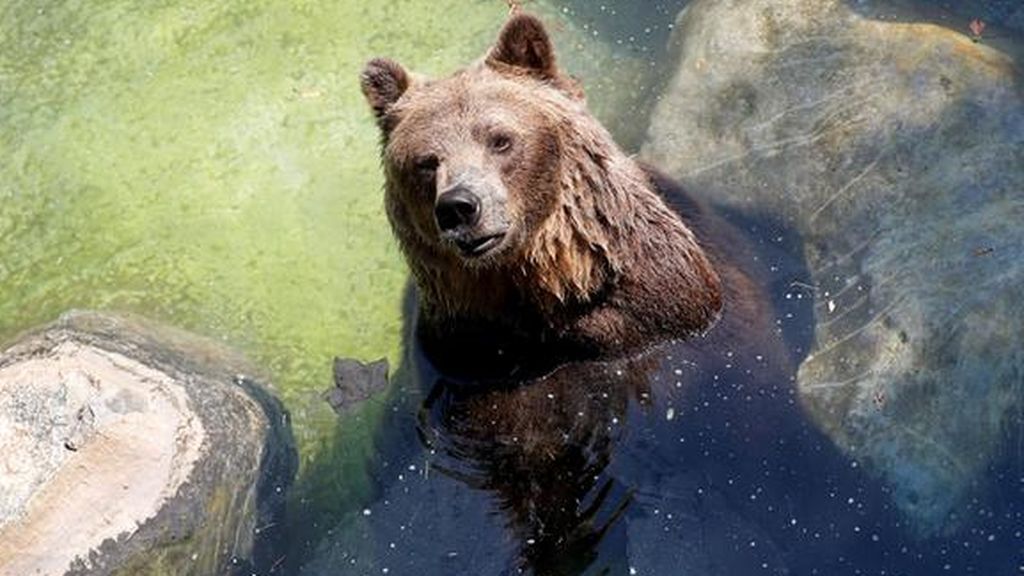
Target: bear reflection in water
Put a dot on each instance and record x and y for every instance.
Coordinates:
(681, 461)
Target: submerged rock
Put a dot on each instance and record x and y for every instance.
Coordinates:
(131, 448)
(356, 382)
(897, 150)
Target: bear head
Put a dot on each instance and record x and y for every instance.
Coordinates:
(514, 206)
(476, 164)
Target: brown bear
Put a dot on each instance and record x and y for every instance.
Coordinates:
(524, 224)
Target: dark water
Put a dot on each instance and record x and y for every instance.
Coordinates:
(686, 461)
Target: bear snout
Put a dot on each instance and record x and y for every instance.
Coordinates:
(472, 219)
(457, 208)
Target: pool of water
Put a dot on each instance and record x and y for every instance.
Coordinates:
(213, 166)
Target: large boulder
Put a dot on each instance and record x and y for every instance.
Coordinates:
(130, 448)
(896, 148)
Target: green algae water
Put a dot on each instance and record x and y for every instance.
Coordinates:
(213, 165)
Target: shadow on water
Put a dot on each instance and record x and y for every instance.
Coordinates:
(694, 458)
(277, 471)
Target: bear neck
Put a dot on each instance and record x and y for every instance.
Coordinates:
(614, 257)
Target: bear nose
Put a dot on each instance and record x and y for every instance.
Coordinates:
(458, 207)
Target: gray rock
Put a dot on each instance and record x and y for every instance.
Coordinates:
(897, 150)
(127, 447)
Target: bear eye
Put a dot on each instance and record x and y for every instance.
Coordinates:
(426, 165)
(500, 143)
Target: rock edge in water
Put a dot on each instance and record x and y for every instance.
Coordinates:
(130, 448)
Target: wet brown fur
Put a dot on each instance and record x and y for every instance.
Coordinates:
(595, 259)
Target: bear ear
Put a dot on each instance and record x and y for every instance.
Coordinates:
(523, 43)
(383, 82)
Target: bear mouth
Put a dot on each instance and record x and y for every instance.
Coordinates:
(476, 247)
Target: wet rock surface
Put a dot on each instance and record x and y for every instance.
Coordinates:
(133, 448)
(896, 148)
